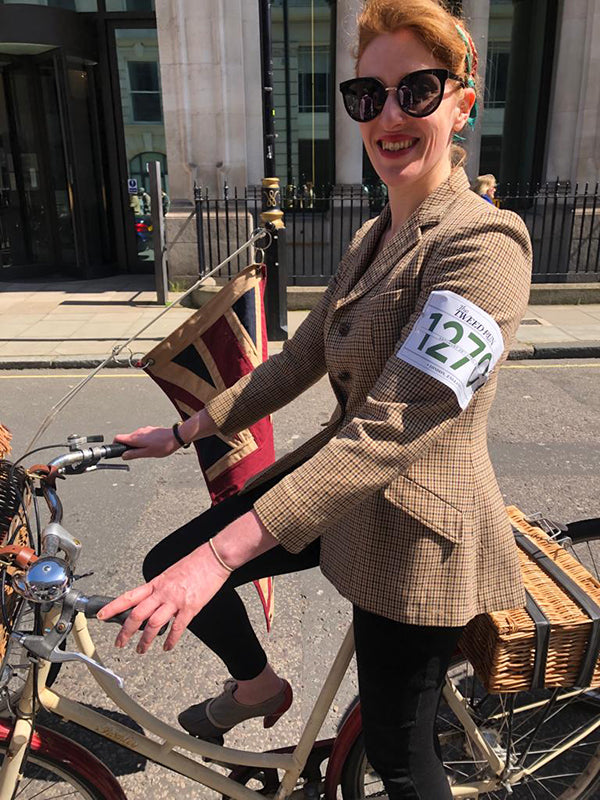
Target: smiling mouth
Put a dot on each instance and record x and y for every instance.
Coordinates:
(394, 147)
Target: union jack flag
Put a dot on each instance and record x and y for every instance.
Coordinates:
(207, 354)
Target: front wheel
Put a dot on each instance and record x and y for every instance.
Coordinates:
(56, 768)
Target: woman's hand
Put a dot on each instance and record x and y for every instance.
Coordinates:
(148, 443)
(160, 442)
(182, 590)
(178, 593)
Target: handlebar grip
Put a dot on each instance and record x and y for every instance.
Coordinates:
(98, 601)
(116, 449)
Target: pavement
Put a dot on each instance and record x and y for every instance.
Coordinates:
(70, 324)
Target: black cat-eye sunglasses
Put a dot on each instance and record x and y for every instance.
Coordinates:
(419, 94)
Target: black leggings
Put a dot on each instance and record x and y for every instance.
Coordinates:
(401, 668)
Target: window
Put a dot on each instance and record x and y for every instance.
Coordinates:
(130, 5)
(145, 91)
(321, 79)
(71, 5)
(496, 75)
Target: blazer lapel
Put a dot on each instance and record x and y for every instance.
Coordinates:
(364, 254)
(368, 271)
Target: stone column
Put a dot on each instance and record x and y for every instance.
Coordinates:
(348, 141)
(573, 142)
(201, 47)
(477, 17)
(252, 92)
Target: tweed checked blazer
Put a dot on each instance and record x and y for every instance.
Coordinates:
(399, 485)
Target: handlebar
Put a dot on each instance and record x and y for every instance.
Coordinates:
(76, 461)
(92, 605)
(88, 456)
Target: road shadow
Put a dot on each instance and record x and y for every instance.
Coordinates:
(119, 760)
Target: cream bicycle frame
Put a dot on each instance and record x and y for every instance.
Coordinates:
(164, 752)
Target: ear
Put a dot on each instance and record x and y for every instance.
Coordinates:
(463, 108)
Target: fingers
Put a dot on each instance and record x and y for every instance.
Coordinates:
(132, 624)
(180, 623)
(160, 617)
(138, 452)
(148, 442)
(125, 601)
(130, 439)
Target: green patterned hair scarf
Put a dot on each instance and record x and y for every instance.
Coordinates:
(471, 69)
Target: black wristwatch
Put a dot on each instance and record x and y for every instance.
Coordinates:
(177, 435)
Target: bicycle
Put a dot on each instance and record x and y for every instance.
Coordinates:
(530, 745)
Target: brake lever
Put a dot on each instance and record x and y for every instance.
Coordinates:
(37, 647)
(126, 467)
(46, 647)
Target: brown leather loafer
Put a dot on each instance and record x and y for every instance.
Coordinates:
(217, 715)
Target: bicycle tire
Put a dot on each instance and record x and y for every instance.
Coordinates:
(359, 782)
(50, 771)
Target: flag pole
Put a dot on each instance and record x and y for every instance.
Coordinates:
(272, 215)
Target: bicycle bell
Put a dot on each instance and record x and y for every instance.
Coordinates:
(47, 580)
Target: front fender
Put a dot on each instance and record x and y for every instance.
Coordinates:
(73, 755)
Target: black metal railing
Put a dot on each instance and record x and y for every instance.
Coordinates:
(563, 221)
(564, 224)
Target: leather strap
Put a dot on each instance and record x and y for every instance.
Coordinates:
(542, 642)
(578, 595)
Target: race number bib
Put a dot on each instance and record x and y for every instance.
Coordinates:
(455, 342)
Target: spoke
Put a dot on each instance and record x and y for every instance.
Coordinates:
(531, 792)
(591, 554)
(561, 776)
(545, 788)
(27, 784)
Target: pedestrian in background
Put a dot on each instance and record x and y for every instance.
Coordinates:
(396, 499)
(485, 186)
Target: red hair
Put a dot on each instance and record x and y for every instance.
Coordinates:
(430, 21)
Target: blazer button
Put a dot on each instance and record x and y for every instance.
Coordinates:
(344, 329)
(344, 376)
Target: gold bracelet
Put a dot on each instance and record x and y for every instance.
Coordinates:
(218, 557)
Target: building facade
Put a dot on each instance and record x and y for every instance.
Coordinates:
(91, 90)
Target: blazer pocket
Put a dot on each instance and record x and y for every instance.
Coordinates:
(430, 510)
(388, 312)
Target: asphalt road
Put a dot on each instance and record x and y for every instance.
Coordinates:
(545, 444)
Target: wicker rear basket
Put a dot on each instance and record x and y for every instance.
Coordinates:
(505, 647)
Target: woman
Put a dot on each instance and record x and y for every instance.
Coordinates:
(396, 498)
(485, 187)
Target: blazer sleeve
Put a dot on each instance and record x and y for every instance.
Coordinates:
(285, 375)
(488, 263)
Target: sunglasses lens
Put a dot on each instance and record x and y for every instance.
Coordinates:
(363, 98)
(420, 93)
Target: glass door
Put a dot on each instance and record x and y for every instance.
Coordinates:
(137, 74)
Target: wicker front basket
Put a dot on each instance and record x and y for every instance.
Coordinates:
(501, 645)
(5, 437)
(12, 528)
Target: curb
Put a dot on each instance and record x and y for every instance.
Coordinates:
(58, 362)
(567, 350)
(520, 352)
(305, 298)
